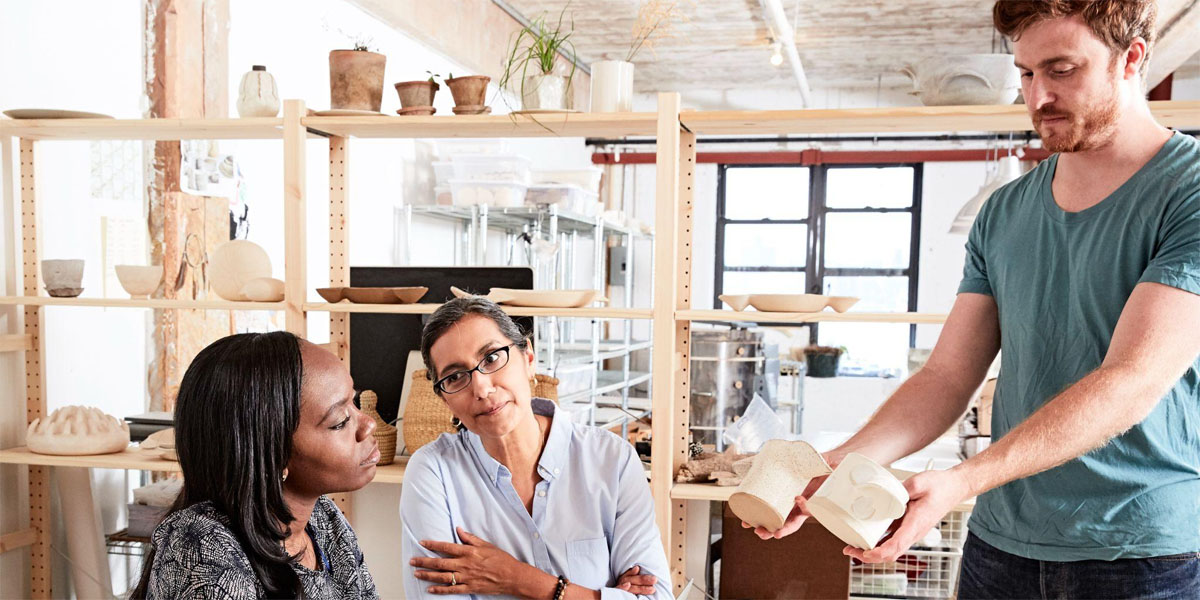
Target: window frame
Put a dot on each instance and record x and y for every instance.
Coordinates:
(814, 267)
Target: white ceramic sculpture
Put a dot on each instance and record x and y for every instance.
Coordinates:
(257, 95)
(780, 472)
(77, 431)
(233, 265)
(965, 79)
(63, 278)
(858, 501)
(263, 289)
(139, 281)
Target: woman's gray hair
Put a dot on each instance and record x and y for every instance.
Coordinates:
(456, 310)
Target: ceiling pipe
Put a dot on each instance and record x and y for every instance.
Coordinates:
(782, 32)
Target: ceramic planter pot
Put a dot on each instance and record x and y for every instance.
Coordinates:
(63, 278)
(965, 79)
(545, 92)
(780, 472)
(139, 281)
(234, 264)
(257, 94)
(416, 94)
(356, 80)
(858, 501)
(822, 365)
(612, 86)
(470, 90)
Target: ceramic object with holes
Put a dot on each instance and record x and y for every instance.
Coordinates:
(77, 431)
(780, 472)
(858, 501)
(234, 264)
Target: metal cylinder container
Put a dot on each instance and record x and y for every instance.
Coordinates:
(728, 368)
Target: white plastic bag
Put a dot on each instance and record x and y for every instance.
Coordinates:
(758, 424)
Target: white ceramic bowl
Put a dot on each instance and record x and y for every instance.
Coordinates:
(233, 265)
(138, 280)
(800, 303)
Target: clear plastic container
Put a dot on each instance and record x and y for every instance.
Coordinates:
(510, 168)
(587, 178)
(443, 172)
(570, 198)
(501, 194)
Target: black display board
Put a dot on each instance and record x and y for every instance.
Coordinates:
(380, 343)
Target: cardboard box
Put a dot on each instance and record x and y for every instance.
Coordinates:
(806, 564)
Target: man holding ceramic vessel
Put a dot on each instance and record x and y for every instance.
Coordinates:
(1086, 273)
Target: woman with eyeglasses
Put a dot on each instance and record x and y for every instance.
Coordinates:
(521, 502)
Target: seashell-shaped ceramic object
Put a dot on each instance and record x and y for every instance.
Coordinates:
(859, 501)
(77, 431)
(234, 264)
(780, 472)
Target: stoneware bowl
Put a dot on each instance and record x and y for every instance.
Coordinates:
(409, 295)
(780, 472)
(842, 303)
(800, 303)
(233, 265)
(371, 295)
(63, 278)
(263, 289)
(138, 280)
(859, 501)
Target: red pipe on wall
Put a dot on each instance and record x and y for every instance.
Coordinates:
(820, 157)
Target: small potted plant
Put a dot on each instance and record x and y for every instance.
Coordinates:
(356, 78)
(416, 97)
(531, 62)
(469, 93)
(823, 361)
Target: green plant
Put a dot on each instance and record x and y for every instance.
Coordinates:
(538, 44)
(433, 76)
(825, 350)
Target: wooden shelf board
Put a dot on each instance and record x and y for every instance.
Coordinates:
(609, 125)
(142, 303)
(516, 311)
(724, 316)
(137, 459)
(909, 119)
(144, 129)
(15, 343)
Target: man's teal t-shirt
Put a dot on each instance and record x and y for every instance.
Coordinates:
(1060, 281)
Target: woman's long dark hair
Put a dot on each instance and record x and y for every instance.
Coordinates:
(238, 406)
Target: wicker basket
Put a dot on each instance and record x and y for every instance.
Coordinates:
(384, 434)
(426, 415)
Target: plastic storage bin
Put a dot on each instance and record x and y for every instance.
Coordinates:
(571, 198)
(443, 172)
(510, 168)
(501, 194)
(587, 178)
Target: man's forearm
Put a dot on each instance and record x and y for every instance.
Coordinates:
(1097, 408)
(920, 411)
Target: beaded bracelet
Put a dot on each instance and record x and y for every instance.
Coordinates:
(560, 591)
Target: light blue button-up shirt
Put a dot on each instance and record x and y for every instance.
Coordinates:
(593, 516)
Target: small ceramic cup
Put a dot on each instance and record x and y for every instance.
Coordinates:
(780, 472)
(858, 501)
(62, 275)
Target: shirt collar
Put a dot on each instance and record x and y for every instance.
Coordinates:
(553, 453)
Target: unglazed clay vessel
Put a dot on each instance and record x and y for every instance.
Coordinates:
(257, 94)
(735, 301)
(800, 303)
(63, 278)
(356, 79)
(77, 431)
(263, 289)
(859, 501)
(780, 472)
(842, 303)
(538, 298)
(139, 281)
(233, 265)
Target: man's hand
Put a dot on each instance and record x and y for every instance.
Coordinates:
(633, 582)
(931, 495)
(473, 567)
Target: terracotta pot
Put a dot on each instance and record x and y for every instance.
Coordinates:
(356, 80)
(416, 94)
(470, 90)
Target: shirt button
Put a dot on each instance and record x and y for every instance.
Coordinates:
(542, 493)
(537, 536)
(556, 471)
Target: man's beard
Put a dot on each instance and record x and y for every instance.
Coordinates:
(1082, 132)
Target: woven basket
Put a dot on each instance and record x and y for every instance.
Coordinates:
(426, 415)
(384, 434)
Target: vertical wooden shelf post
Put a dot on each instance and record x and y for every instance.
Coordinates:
(295, 258)
(35, 374)
(339, 249)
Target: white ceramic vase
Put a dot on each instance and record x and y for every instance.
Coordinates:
(780, 472)
(546, 92)
(858, 501)
(612, 86)
(257, 95)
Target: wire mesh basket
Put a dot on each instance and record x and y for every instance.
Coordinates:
(925, 571)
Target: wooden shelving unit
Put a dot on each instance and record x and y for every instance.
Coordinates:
(675, 132)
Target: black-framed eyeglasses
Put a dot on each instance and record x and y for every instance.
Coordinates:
(458, 381)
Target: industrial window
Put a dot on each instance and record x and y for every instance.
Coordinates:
(844, 230)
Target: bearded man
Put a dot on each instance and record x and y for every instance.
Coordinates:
(1085, 272)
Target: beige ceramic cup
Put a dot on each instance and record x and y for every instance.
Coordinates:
(859, 501)
(780, 472)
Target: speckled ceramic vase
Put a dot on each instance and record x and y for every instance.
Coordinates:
(780, 472)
